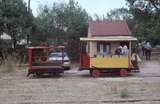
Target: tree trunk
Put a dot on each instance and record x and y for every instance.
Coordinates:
(14, 42)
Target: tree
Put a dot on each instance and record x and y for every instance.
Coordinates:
(146, 19)
(77, 25)
(148, 5)
(119, 14)
(63, 24)
(15, 20)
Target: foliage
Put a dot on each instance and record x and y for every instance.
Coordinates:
(119, 14)
(15, 20)
(146, 21)
(158, 47)
(63, 24)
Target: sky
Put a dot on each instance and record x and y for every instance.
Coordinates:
(100, 7)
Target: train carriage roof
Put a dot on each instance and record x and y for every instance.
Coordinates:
(110, 38)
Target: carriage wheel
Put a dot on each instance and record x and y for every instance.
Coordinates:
(96, 73)
(123, 73)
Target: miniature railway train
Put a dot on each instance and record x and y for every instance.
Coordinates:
(108, 48)
(40, 61)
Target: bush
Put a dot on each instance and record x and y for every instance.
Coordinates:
(124, 93)
(157, 46)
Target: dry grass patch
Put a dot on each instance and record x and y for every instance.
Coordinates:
(9, 65)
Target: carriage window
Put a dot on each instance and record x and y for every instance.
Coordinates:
(103, 48)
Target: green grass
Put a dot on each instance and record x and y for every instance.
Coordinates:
(124, 93)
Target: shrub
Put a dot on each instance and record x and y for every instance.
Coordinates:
(124, 93)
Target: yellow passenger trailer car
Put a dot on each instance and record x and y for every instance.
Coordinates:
(108, 48)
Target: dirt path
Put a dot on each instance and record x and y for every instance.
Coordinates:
(78, 88)
(150, 68)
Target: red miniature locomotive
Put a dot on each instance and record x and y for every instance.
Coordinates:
(47, 59)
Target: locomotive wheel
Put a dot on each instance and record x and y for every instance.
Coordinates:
(123, 73)
(95, 73)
